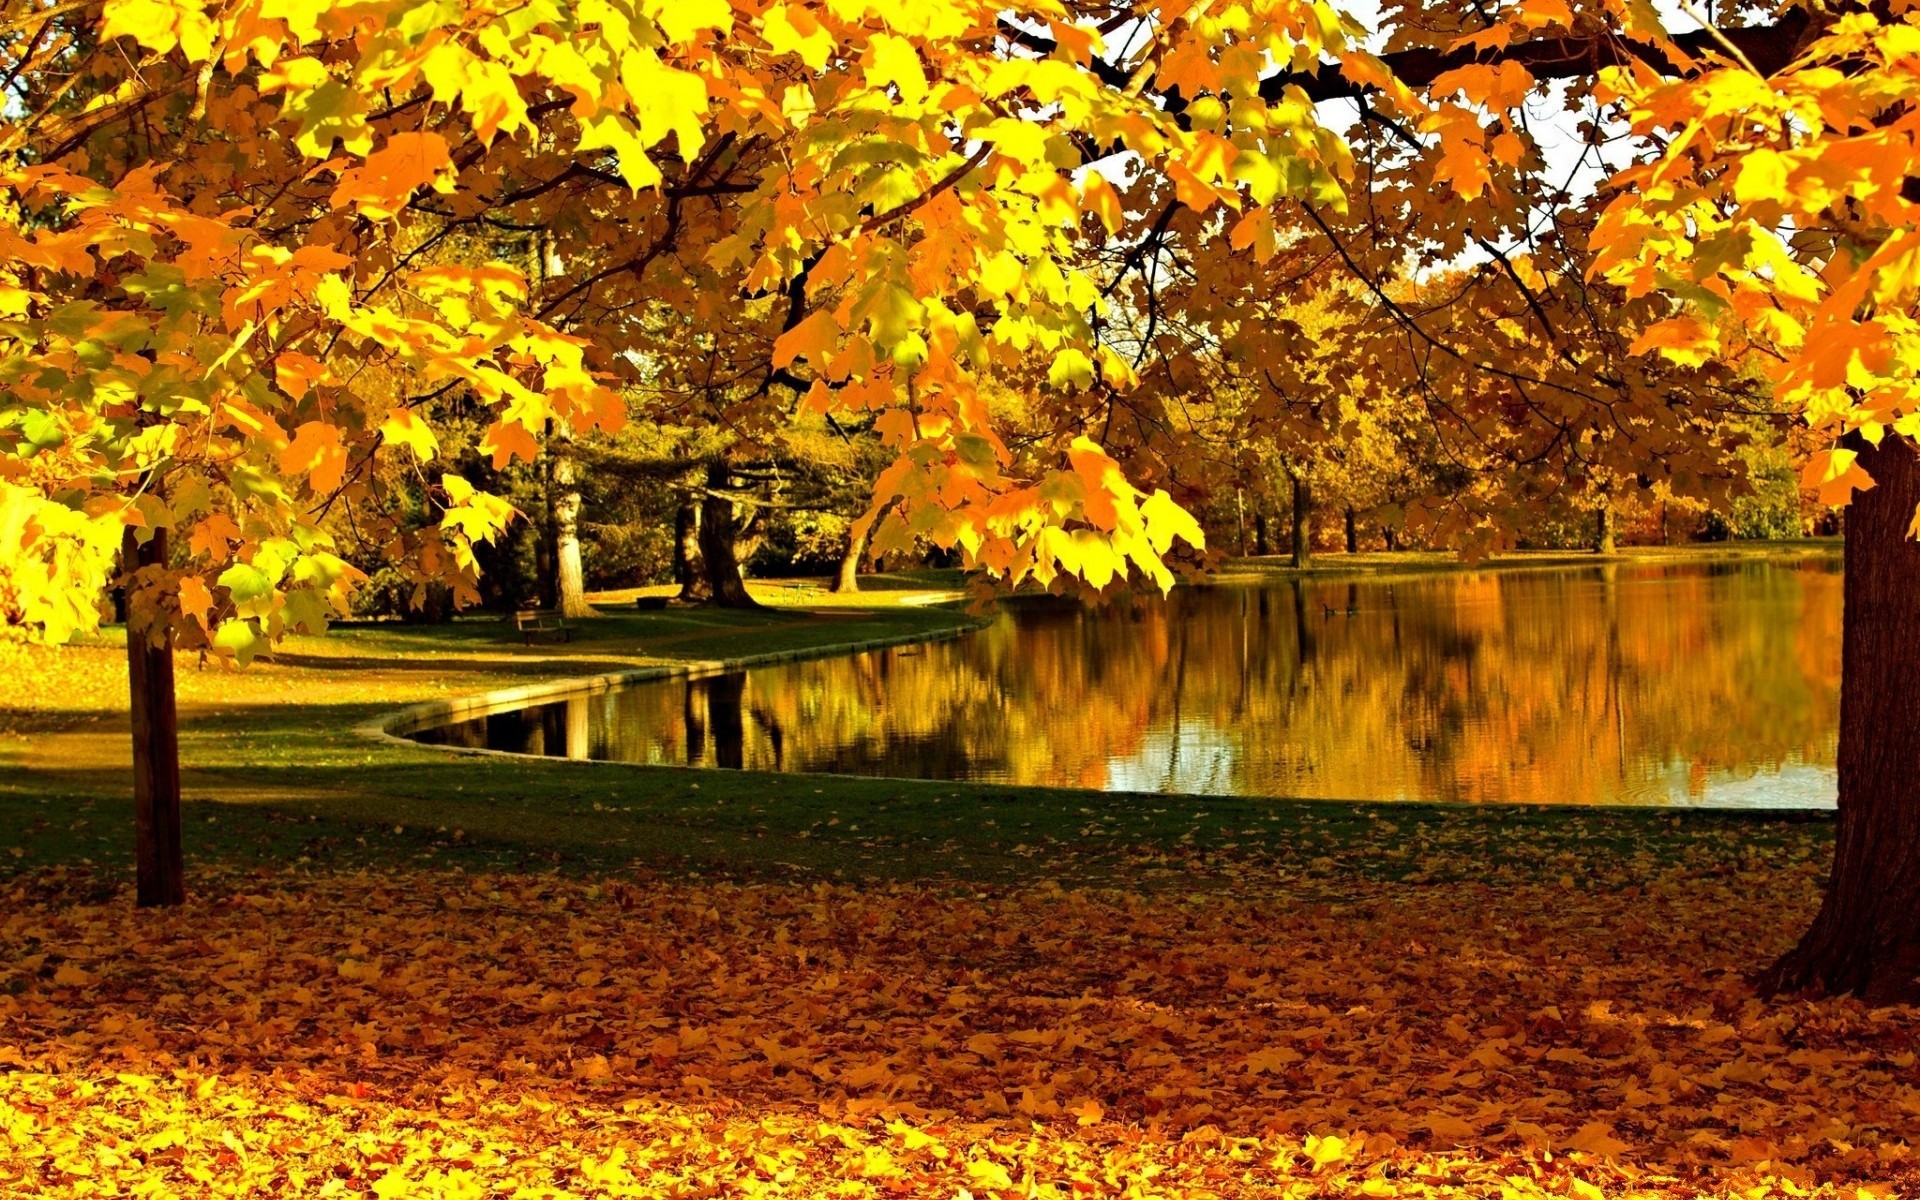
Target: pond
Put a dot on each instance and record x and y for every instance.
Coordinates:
(1695, 684)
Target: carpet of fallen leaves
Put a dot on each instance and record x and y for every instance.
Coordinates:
(440, 1034)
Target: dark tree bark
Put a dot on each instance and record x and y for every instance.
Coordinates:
(1392, 535)
(719, 527)
(1768, 47)
(689, 566)
(570, 586)
(847, 579)
(1261, 545)
(1302, 522)
(546, 566)
(1866, 938)
(1353, 533)
(159, 870)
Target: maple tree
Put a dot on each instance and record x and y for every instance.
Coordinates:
(250, 241)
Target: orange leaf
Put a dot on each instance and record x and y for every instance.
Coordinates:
(316, 450)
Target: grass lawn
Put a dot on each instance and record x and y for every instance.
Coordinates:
(274, 773)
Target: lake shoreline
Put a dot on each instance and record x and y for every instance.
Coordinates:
(277, 779)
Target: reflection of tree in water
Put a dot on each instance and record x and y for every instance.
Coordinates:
(1592, 685)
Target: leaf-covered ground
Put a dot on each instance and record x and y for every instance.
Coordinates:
(450, 1034)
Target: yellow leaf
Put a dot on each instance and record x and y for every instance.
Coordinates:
(811, 339)
(1329, 1149)
(403, 427)
(988, 1173)
(1596, 1137)
(683, 20)
(1762, 176)
(160, 25)
(490, 96)
(893, 60)
(1451, 1128)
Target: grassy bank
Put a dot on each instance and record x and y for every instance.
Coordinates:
(274, 775)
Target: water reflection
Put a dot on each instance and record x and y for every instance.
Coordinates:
(1652, 684)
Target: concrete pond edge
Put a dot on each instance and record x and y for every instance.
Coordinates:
(392, 728)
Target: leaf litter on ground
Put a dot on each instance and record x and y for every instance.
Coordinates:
(436, 1033)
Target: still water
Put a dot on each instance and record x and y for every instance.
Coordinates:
(1695, 684)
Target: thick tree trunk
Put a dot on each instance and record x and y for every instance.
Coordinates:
(1603, 529)
(689, 566)
(847, 579)
(1866, 938)
(1353, 533)
(719, 526)
(1302, 522)
(570, 587)
(159, 870)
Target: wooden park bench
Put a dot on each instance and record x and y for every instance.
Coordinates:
(534, 622)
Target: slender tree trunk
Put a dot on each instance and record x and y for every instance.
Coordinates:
(689, 566)
(847, 579)
(546, 564)
(1262, 545)
(1866, 938)
(570, 588)
(1302, 522)
(1353, 533)
(719, 526)
(159, 871)
(1240, 519)
(1603, 528)
(1392, 535)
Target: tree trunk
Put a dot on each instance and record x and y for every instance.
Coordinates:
(1302, 522)
(718, 528)
(1353, 533)
(1603, 528)
(689, 565)
(1866, 938)
(1261, 545)
(1392, 535)
(546, 565)
(159, 872)
(570, 588)
(848, 578)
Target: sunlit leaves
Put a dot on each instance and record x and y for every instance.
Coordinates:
(1750, 161)
(391, 174)
(1485, 1032)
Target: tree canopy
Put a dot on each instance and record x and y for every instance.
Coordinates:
(249, 242)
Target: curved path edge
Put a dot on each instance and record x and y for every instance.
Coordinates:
(393, 727)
